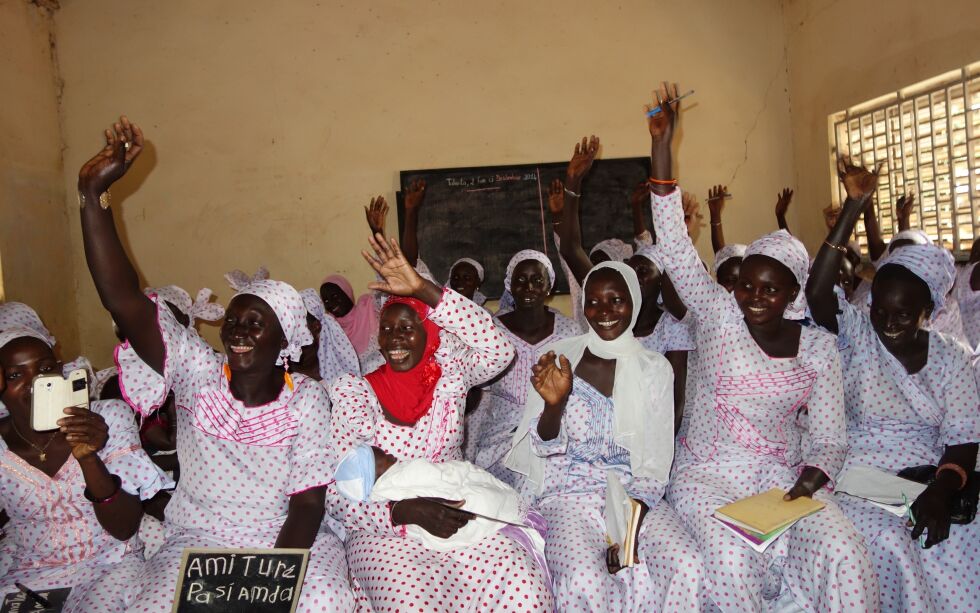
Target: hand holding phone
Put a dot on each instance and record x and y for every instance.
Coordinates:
(50, 394)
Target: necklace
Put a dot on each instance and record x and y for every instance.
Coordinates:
(42, 451)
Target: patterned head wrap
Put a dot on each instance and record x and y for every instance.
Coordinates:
(18, 320)
(790, 252)
(653, 254)
(289, 308)
(617, 250)
(200, 308)
(507, 300)
(728, 252)
(934, 265)
(239, 280)
(916, 235)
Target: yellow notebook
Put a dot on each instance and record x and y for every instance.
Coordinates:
(766, 512)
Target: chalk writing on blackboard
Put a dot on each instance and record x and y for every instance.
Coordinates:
(259, 580)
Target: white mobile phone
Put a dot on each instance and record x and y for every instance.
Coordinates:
(51, 394)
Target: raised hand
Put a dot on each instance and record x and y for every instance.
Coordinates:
(640, 196)
(830, 215)
(376, 212)
(692, 211)
(123, 144)
(86, 432)
(414, 196)
(782, 202)
(903, 210)
(581, 162)
(556, 199)
(716, 200)
(552, 378)
(662, 124)
(859, 183)
(399, 277)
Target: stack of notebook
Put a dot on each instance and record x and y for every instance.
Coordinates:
(622, 519)
(763, 518)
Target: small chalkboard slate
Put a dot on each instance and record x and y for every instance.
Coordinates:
(254, 580)
(19, 602)
(490, 213)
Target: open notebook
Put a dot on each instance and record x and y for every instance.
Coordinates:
(761, 519)
(622, 519)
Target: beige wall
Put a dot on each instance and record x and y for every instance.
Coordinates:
(35, 249)
(271, 125)
(845, 53)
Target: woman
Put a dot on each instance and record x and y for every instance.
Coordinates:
(911, 402)
(331, 353)
(436, 345)
(606, 412)
(253, 439)
(73, 494)
(359, 320)
(529, 327)
(756, 367)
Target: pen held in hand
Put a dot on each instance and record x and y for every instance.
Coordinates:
(657, 109)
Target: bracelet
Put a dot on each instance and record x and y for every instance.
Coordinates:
(716, 223)
(118, 483)
(662, 182)
(956, 468)
(572, 194)
(840, 248)
(400, 528)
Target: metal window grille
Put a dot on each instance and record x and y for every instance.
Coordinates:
(928, 138)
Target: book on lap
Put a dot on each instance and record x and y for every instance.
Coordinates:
(763, 518)
(622, 515)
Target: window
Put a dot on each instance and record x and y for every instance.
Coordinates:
(928, 138)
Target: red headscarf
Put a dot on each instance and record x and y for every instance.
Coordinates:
(407, 396)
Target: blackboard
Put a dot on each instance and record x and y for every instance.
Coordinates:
(254, 580)
(489, 213)
(19, 602)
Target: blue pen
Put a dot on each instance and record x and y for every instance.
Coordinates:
(657, 109)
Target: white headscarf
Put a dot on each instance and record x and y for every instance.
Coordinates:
(335, 352)
(790, 252)
(289, 308)
(643, 397)
(18, 320)
(617, 250)
(478, 296)
(933, 264)
(507, 299)
(239, 280)
(728, 252)
(200, 308)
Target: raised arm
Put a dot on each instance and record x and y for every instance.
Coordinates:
(376, 213)
(413, 198)
(695, 287)
(903, 211)
(782, 205)
(639, 198)
(571, 229)
(859, 185)
(716, 202)
(876, 244)
(114, 276)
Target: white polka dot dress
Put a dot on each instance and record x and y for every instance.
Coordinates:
(896, 420)
(969, 303)
(503, 400)
(742, 436)
(669, 574)
(54, 538)
(239, 465)
(389, 571)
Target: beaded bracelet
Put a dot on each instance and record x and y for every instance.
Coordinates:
(662, 181)
(118, 483)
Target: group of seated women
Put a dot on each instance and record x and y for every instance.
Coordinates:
(376, 431)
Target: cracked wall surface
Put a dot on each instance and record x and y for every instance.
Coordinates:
(35, 249)
(845, 53)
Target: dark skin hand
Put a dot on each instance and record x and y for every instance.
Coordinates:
(859, 185)
(376, 213)
(876, 244)
(716, 203)
(80, 435)
(639, 199)
(530, 320)
(934, 507)
(692, 214)
(782, 205)
(903, 211)
(571, 229)
(556, 204)
(412, 198)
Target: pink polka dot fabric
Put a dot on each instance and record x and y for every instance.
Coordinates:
(390, 572)
(742, 435)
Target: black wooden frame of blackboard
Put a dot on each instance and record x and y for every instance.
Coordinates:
(188, 551)
(597, 224)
